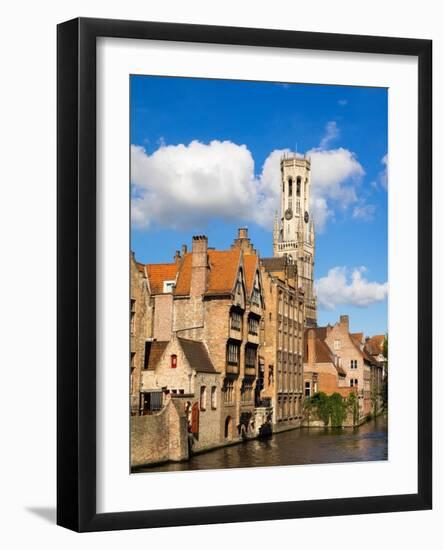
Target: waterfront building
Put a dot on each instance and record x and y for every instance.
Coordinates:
(362, 370)
(294, 234)
(322, 371)
(140, 321)
(282, 341)
(208, 300)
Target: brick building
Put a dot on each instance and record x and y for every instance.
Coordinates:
(208, 300)
(362, 371)
(322, 371)
(140, 328)
(282, 341)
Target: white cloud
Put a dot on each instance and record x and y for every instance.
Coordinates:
(331, 132)
(334, 175)
(337, 288)
(382, 177)
(182, 186)
(363, 211)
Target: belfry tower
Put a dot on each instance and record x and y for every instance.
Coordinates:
(294, 234)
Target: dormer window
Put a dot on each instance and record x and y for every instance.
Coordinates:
(173, 361)
(168, 287)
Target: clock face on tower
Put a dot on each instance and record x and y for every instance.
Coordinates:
(288, 214)
(306, 217)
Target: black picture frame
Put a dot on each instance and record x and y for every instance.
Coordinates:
(76, 274)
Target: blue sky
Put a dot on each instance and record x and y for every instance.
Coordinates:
(205, 160)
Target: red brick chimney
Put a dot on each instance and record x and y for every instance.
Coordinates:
(344, 321)
(200, 267)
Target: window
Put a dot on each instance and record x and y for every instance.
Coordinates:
(173, 361)
(307, 388)
(290, 187)
(247, 390)
(214, 397)
(256, 295)
(233, 354)
(203, 398)
(353, 382)
(236, 320)
(250, 357)
(298, 186)
(353, 363)
(132, 379)
(253, 325)
(132, 316)
(228, 391)
(168, 286)
(337, 344)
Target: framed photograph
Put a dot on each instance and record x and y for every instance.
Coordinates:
(244, 274)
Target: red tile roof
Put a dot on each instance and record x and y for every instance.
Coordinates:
(250, 262)
(223, 267)
(374, 345)
(158, 274)
(323, 354)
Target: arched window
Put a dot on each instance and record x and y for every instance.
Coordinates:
(290, 187)
(173, 361)
(298, 186)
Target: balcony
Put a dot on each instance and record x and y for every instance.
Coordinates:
(287, 245)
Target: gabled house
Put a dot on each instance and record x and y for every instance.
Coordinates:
(322, 369)
(183, 370)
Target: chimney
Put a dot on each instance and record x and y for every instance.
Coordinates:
(177, 256)
(184, 250)
(311, 347)
(344, 320)
(242, 232)
(199, 275)
(243, 241)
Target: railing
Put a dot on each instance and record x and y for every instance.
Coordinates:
(287, 245)
(264, 402)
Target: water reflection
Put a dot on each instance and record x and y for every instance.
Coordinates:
(303, 446)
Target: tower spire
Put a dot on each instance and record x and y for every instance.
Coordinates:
(293, 234)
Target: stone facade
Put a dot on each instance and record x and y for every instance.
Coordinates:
(140, 328)
(160, 437)
(185, 372)
(294, 234)
(282, 342)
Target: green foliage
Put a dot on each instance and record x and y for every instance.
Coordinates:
(338, 408)
(330, 409)
(352, 406)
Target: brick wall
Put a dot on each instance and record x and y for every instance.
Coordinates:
(159, 437)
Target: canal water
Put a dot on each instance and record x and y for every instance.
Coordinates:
(301, 446)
